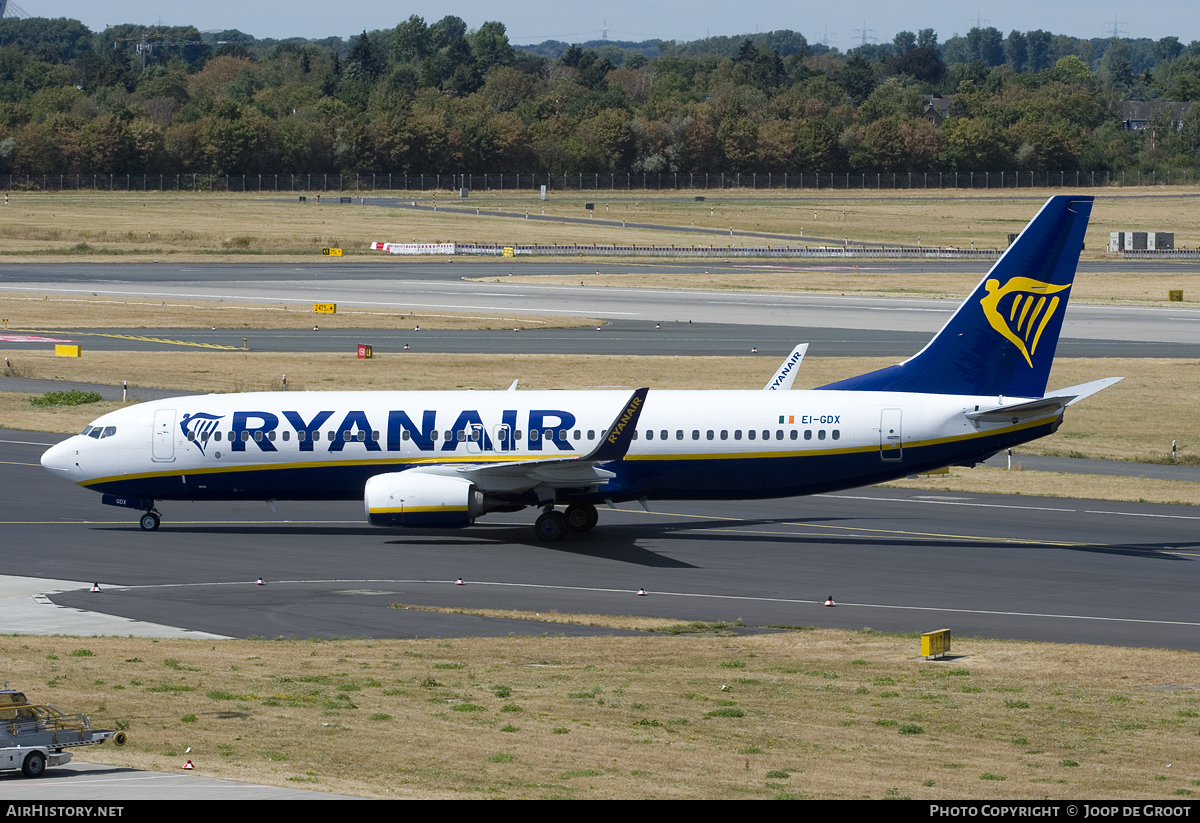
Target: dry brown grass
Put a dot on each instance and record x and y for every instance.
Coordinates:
(824, 714)
(25, 312)
(187, 226)
(989, 480)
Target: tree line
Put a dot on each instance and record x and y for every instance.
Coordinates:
(444, 98)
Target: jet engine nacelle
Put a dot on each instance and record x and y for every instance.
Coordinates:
(418, 499)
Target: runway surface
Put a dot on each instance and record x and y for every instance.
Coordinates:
(982, 565)
(418, 288)
(618, 337)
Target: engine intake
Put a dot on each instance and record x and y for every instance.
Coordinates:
(417, 499)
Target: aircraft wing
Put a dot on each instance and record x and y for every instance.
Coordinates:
(556, 472)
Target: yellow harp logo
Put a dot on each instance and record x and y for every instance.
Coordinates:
(1020, 310)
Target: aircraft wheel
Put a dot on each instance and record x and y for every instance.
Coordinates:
(34, 765)
(582, 517)
(551, 527)
(150, 522)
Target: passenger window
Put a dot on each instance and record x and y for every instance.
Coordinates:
(407, 435)
(191, 435)
(779, 434)
(649, 434)
(562, 435)
(794, 434)
(433, 435)
(635, 434)
(662, 435)
(751, 434)
(246, 436)
(301, 436)
(518, 434)
(579, 435)
(270, 435)
(533, 435)
(837, 434)
(362, 435)
(808, 434)
(462, 435)
(257, 437)
(331, 435)
(737, 434)
(710, 434)
(591, 434)
(821, 434)
(217, 436)
(287, 435)
(696, 434)
(724, 434)
(375, 434)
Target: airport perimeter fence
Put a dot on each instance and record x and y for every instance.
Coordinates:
(607, 181)
(1161, 254)
(822, 252)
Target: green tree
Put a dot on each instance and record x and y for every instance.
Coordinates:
(410, 41)
(491, 48)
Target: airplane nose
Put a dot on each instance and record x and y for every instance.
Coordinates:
(57, 458)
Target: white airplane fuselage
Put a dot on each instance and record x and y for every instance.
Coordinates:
(689, 444)
(443, 459)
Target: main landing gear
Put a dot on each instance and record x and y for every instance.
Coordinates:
(552, 526)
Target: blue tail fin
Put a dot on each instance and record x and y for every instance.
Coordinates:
(1001, 341)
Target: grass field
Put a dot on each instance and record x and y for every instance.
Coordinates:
(799, 714)
(118, 227)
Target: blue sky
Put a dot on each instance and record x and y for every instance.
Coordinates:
(531, 21)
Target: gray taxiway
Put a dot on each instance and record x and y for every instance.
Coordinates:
(984, 565)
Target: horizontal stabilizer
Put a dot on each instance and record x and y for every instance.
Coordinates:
(1021, 412)
(1088, 389)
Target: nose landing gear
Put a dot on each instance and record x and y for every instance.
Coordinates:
(150, 521)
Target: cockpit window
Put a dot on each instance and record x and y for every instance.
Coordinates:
(109, 431)
(96, 432)
(85, 431)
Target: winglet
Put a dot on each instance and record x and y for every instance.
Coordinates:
(786, 375)
(619, 435)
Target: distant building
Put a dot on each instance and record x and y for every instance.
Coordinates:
(937, 109)
(1136, 115)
